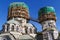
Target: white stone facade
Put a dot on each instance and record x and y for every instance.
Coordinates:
(49, 30)
(19, 27)
(49, 24)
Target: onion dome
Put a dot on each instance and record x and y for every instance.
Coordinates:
(46, 13)
(18, 9)
(18, 4)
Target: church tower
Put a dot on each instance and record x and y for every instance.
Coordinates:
(17, 26)
(47, 18)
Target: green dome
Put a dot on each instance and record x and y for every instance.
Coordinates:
(15, 4)
(46, 10)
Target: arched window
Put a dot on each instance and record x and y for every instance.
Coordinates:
(6, 38)
(30, 30)
(12, 28)
(26, 29)
(8, 27)
(17, 29)
(5, 28)
(23, 14)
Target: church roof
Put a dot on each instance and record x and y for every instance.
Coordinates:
(13, 21)
(25, 37)
(46, 10)
(18, 4)
(29, 25)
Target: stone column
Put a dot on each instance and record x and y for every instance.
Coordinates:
(5, 28)
(23, 22)
(33, 29)
(49, 36)
(23, 30)
(20, 29)
(10, 27)
(28, 30)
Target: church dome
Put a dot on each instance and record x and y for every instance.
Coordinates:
(18, 9)
(46, 13)
(46, 10)
(18, 4)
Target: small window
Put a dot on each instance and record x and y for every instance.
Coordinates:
(12, 29)
(8, 27)
(23, 14)
(30, 30)
(17, 28)
(20, 21)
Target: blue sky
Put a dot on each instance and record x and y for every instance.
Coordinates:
(34, 6)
